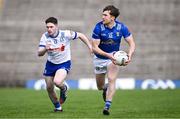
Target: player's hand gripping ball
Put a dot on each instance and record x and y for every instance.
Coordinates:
(121, 57)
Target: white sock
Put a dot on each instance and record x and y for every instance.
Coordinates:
(59, 108)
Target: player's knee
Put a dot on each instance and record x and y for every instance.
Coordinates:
(111, 80)
(57, 83)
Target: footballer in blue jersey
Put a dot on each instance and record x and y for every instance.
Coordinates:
(110, 37)
(106, 39)
(56, 43)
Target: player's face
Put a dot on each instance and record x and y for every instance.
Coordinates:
(51, 28)
(107, 18)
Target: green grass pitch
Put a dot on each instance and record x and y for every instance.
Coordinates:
(24, 103)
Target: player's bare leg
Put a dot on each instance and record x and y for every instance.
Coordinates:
(100, 81)
(112, 75)
(52, 93)
(59, 78)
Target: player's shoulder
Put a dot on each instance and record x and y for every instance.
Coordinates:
(64, 31)
(99, 24)
(120, 24)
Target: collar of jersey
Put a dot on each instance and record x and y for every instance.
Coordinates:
(55, 35)
(112, 27)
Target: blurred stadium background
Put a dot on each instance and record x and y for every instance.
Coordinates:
(155, 25)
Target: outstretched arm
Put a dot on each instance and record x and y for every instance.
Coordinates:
(86, 41)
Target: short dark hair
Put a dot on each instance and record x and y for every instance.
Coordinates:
(51, 20)
(113, 10)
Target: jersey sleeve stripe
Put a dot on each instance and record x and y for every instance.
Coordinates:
(75, 36)
(42, 46)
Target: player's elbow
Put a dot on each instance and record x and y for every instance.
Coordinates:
(41, 51)
(40, 54)
(93, 49)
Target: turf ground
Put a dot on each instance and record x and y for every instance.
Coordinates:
(23, 103)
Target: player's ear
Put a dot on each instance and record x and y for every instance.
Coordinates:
(113, 18)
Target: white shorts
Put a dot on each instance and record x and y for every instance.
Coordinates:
(100, 65)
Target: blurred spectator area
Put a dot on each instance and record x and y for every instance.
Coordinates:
(155, 26)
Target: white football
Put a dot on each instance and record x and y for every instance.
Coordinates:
(120, 57)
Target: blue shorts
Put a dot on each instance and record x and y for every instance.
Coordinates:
(50, 69)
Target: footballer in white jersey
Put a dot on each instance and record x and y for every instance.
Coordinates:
(56, 43)
(59, 51)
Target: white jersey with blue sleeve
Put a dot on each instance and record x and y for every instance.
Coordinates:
(60, 45)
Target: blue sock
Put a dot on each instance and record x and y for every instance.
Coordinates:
(57, 105)
(107, 104)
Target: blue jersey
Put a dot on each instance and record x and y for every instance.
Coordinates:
(110, 39)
